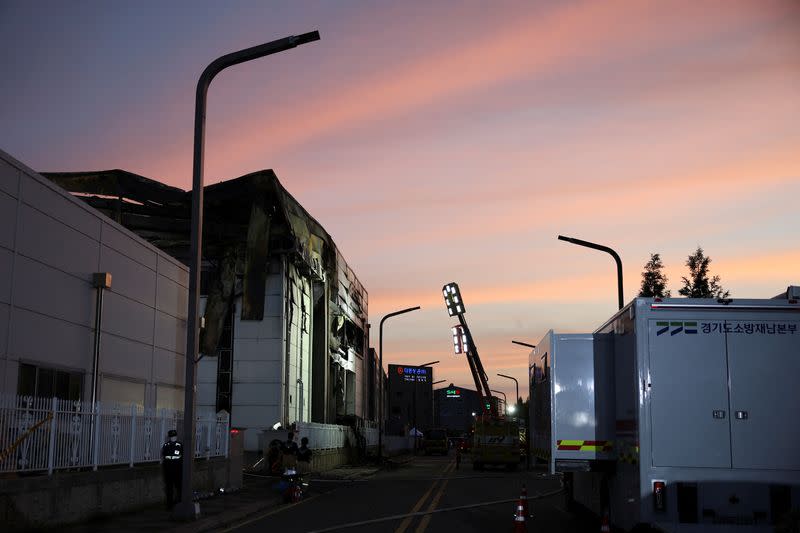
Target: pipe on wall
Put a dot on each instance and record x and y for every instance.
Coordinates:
(101, 281)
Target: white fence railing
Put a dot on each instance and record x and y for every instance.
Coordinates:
(324, 436)
(44, 434)
(371, 435)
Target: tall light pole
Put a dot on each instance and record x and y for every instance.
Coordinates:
(515, 382)
(607, 250)
(524, 344)
(192, 332)
(380, 374)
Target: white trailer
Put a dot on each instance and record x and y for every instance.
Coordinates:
(706, 421)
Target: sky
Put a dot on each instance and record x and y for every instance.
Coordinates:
(450, 141)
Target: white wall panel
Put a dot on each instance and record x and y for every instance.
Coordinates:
(248, 371)
(8, 220)
(129, 278)
(174, 270)
(49, 241)
(274, 306)
(6, 268)
(255, 417)
(133, 247)
(172, 298)
(9, 178)
(122, 392)
(64, 344)
(4, 314)
(168, 397)
(61, 207)
(51, 292)
(127, 318)
(257, 393)
(169, 367)
(125, 357)
(170, 333)
(258, 350)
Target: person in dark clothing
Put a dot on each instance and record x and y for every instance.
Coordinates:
(304, 455)
(274, 457)
(289, 450)
(290, 446)
(172, 465)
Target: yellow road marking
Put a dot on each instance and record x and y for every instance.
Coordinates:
(423, 525)
(407, 521)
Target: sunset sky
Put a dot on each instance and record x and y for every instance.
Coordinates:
(450, 141)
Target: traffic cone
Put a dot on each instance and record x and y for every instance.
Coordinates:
(519, 519)
(605, 527)
(524, 498)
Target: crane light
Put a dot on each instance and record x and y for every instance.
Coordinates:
(460, 344)
(452, 298)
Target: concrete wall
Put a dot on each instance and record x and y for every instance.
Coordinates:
(50, 245)
(47, 501)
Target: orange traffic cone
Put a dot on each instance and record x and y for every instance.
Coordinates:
(605, 527)
(524, 498)
(519, 519)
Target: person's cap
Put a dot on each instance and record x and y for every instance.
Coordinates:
(172, 433)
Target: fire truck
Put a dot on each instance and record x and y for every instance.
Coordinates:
(676, 414)
(495, 439)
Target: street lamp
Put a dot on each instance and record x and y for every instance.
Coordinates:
(515, 382)
(608, 250)
(192, 331)
(380, 373)
(524, 344)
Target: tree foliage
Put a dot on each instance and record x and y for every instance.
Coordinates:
(699, 284)
(654, 282)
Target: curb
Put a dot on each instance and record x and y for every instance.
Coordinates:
(226, 518)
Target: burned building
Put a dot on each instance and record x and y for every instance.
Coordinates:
(285, 334)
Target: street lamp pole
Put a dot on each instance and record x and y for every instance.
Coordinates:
(380, 374)
(192, 331)
(524, 344)
(607, 250)
(515, 382)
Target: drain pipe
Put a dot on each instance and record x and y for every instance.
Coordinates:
(100, 281)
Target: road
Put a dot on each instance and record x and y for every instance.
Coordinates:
(427, 494)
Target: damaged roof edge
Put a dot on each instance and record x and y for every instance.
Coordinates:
(121, 183)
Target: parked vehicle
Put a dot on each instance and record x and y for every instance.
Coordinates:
(676, 413)
(435, 441)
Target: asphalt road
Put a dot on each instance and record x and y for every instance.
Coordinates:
(427, 494)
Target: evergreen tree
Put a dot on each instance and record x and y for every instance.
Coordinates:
(698, 284)
(654, 282)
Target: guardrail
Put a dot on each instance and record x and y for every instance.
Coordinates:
(48, 434)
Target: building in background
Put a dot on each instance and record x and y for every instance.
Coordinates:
(454, 407)
(285, 336)
(51, 247)
(409, 397)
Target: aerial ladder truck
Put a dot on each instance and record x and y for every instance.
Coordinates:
(495, 438)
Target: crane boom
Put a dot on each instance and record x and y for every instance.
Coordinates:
(455, 306)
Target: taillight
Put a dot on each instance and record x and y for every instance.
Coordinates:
(659, 495)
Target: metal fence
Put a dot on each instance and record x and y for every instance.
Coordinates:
(47, 434)
(324, 436)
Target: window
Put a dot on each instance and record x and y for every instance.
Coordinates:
(49, 383)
